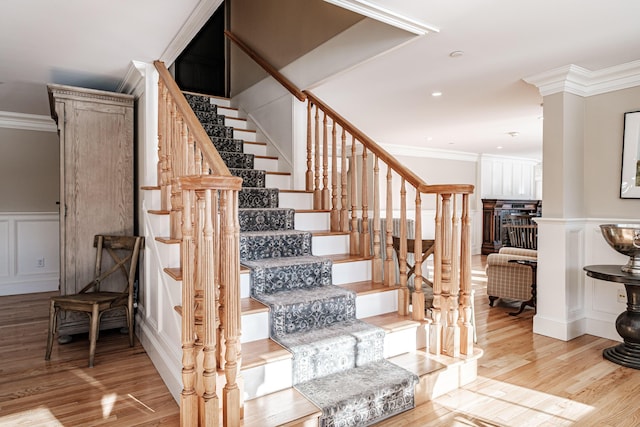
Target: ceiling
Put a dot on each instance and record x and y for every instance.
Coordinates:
(484, 98)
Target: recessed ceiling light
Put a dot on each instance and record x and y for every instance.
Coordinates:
(456, 54)
(429, 138)
(436, 93)
(499, 147)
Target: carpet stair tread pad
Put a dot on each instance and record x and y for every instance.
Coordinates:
(281, 274)
(266, 219)
(363, 395)
(307, 308)
(338, 361)
(256, 245)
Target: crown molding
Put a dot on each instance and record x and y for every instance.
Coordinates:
(201, 13)
(387, 16)
(23, 121)
(433, 153)
(583, 82)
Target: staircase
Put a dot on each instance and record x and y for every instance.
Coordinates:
(287, 365)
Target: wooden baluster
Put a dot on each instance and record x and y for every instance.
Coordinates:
(191, 150)
(209, 401)
(377, 258)
(185, 144)
(418, 294)
(197, 161)
(403, 292)
(451, 339)
(344, 209)
(435, 332)
(325, 164)
(365, 236)
(230, 275)
(335, 214)
(217, 227)
(354, 238)
(188, 397)
(317, 192)
(389, 267)
(309, 174)
(162, 145)
(467, 333)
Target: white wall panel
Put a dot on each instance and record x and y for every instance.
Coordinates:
(29, 253)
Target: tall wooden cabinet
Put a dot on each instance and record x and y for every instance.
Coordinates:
(494, 215)
(96, 185)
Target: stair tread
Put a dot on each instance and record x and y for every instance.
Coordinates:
(263, 351)
(392, 322)
(328, 233)
(296, 191)
(159, 211)
(150, 187)
(176, 272)
(269, 410)
(368, 287)
(247, 306)
(340, 258)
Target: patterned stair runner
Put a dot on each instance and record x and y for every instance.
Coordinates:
(338, 360)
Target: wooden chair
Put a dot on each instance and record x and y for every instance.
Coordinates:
(91, 300)
(428, 247)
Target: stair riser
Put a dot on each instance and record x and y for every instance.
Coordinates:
(160, 224)
(246, 135)
(151, 199)
(267, 164)
(330, 245)
(349, 272)
(376, 304)
(296, 200)
(169, 254)
(278, 181)
(228, 112)
(267, 378)
(312, 220)
(255, 326)
(236, 123)
(256, 149)
(221, 102)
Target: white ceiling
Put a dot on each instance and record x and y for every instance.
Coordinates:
(484, 97)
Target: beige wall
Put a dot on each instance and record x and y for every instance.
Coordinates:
(604, 127)
(29, 171)
(281, 31)
(583, 155)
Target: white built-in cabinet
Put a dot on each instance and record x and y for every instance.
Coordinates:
(96, 186)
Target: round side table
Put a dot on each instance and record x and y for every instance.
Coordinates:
(628, 322)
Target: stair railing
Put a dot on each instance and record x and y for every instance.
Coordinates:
(336, 188)
(201, 197)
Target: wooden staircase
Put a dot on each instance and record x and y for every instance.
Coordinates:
(265, 369)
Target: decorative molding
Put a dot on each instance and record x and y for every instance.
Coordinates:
(433, 153)
(23, 121)
(387, 16)
(583, 82)
(201, 13)
(134, 78)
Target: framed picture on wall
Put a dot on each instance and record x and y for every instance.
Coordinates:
(630, 175)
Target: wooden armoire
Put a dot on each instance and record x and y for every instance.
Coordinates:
(96, 186)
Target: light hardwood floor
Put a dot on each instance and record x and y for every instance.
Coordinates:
(523, 379)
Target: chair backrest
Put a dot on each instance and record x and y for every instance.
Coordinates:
(124, 252)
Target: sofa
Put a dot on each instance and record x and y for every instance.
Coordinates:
(509, 280)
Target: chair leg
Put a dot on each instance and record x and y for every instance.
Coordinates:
(53, 314)
(93, 333)
(130, 325)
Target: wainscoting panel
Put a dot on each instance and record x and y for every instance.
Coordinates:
(29, 252)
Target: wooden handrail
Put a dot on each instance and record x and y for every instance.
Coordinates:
(266, 66)
(199, 134)
(391, 161)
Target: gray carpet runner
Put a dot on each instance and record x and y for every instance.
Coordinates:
(338, 360)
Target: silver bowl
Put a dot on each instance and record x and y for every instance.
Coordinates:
(624, 238)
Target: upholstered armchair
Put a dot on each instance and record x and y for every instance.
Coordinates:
(508, 279)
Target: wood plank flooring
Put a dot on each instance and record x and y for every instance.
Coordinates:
(123, 389)
(523, 379)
